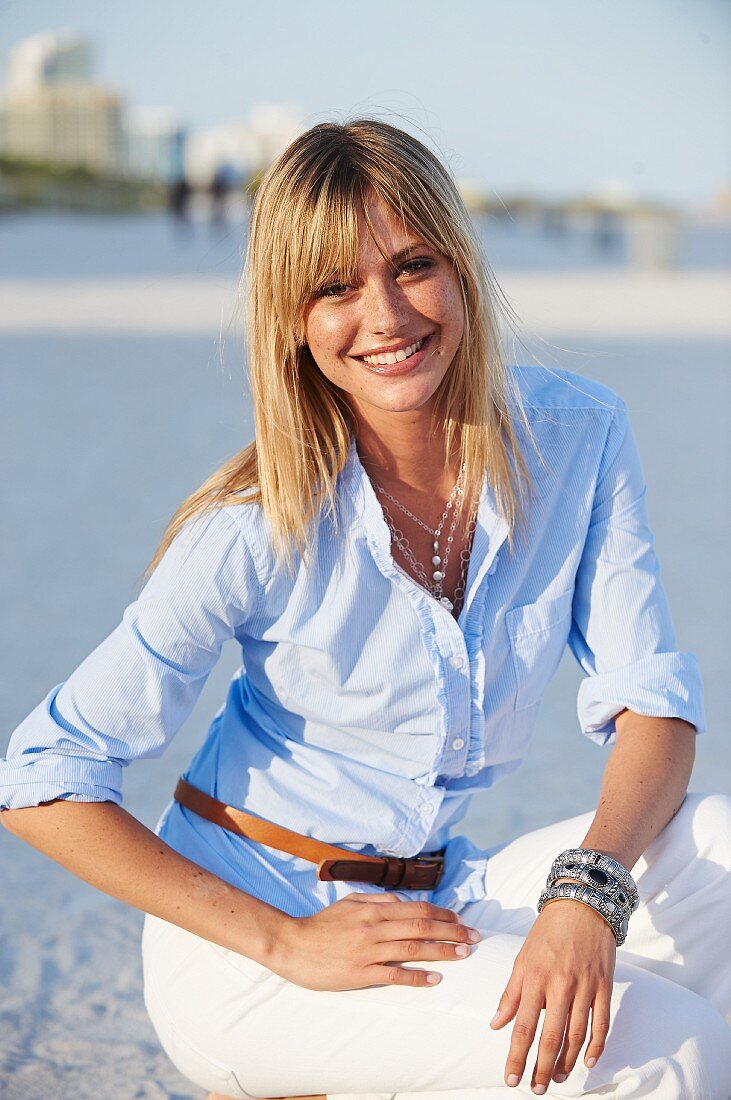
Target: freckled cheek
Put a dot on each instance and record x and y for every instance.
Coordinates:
(449, 309)
(328, 341)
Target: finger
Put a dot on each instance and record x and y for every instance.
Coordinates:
(370, 897)
(508, 1003)
(409, 910)
(381, 899)
(576, 1028)
(426, 928)
(401, 975)
(418, 950)
(600, 1016)
(524, 1030)
(552, 1033)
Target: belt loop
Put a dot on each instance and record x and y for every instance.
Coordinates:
(395, 870)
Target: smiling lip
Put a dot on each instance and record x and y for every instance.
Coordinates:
(399, 368)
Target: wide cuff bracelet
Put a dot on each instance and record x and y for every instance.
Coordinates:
(596, 862)
(607, 885)
(613, 914)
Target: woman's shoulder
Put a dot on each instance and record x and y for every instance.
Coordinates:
(246, 516)
(220, 538)
(542, 387)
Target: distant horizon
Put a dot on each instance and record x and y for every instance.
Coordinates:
(568, 100)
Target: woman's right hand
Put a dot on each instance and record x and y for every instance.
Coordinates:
(363, 939)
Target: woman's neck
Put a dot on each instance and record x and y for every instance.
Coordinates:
(409, 455)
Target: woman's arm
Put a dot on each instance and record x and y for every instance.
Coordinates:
(643, 786)
(357, 942)
(568, 958)
(110, 849)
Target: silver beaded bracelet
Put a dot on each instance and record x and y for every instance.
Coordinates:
(604, 885)
(609, 886)
(613, 913)
(601, 868)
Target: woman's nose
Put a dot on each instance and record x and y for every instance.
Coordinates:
(385, 310)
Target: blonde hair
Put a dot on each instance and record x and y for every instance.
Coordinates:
(303, 236)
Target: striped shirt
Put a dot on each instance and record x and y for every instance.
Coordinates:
(365, 714)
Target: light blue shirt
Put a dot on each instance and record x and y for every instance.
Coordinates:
(365, 714)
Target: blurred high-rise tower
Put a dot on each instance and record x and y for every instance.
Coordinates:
(51, 110)
(49, 59)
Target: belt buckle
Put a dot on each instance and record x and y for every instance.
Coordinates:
(416, 872)
(412, 878)
(405, 873)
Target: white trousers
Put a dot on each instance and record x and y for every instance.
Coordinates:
(232, 1026)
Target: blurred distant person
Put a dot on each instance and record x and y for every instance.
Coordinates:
(606, 230)
(219, 189)
(179, 196)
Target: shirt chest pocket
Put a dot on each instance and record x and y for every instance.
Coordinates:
(538, 633)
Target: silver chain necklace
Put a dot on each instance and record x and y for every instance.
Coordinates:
(440, 563)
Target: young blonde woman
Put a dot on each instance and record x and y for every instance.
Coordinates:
(403, 554)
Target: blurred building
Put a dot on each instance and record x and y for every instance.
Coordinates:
(48, 59)
(721, 201)
(51, 112)
(79, 126)
(155, 144)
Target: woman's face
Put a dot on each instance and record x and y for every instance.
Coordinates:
(388, 339)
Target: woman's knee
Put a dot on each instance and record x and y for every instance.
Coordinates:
(704, 1057)
(667, 1035)
(696, 842)
(711, 824)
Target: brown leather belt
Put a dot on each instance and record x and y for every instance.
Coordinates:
(333, 863)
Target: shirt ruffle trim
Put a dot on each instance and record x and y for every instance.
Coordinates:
(464, 876)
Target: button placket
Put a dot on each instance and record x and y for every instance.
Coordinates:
(460, 694)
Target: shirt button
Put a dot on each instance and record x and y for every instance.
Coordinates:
(456, 662)
(458, 743)
(426, 810)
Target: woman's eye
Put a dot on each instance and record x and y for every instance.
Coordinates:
(335, 290)
(420, 264)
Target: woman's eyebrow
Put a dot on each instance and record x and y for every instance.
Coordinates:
(404, 253)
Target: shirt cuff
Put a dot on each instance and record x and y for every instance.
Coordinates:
(28, 781)
(664, 685)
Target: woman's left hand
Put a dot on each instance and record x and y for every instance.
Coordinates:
(566, 966)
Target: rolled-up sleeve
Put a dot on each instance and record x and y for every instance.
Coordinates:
(132, 693)
(622, 633)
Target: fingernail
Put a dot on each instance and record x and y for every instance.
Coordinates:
(474, 936)
(432, 979)
(495, 1018)
(591, 1062)
(559, 1078)
(539, 1089)
(463, 949)
(513, 1079)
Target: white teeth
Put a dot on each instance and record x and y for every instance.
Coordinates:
(389, 358)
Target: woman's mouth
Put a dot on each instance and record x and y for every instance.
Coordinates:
(398, 362)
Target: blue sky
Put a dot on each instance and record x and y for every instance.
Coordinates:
(551, 97)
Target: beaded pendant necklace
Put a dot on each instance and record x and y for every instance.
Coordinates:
(440, 559)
